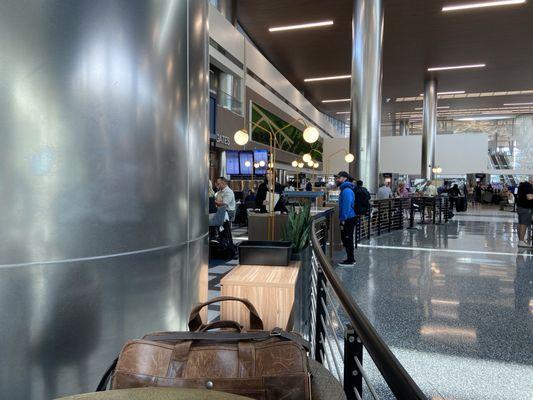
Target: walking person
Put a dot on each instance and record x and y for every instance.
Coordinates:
(524, 209)
(346, 216)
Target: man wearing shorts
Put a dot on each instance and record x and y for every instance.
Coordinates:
(524, 208)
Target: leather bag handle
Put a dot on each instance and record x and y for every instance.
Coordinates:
(195, 321)
(221, 325)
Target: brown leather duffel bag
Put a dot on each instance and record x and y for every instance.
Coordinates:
(264, 365)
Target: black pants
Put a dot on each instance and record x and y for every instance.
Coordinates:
(347, 231)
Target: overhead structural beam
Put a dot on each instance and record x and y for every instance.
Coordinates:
(365, 93)
(429, 128)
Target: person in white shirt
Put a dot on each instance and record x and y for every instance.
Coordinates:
(384, 191)
(430, 189)
(225, 197)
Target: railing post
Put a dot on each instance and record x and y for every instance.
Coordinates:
(390, 214)
(440, 210)
(411, 214)
(319, 329)
(379, 218)
(446, 210)
(434, 210)
(353, 379)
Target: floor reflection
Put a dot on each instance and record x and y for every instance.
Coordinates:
(453, 300)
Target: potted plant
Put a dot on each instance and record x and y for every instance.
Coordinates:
(298, 231)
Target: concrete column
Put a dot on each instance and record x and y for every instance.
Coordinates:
(104, 146)
(367, 39)
(429, 128)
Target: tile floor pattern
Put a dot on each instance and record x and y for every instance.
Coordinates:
(454, 302)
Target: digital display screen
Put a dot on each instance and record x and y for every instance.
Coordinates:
(232, 162)
(261, 155)
(243, 157)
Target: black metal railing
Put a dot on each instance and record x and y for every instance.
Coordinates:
(338, 343)
(392, 214)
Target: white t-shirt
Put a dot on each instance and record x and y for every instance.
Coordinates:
(227, 197)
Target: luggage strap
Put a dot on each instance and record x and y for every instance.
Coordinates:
(227, 336)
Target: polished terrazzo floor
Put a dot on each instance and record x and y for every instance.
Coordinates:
(455, 304)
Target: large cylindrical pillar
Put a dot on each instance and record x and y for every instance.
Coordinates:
(404, 127)
(103, 183)
(365, 123)
(429, 128)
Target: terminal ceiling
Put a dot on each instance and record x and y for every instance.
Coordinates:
(417, 35)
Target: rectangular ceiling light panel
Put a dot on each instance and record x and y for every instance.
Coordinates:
(456, 67)
(335, 100)
(483, 4)
(327, 78)
(300, 26)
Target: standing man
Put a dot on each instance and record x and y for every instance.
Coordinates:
(346, 216)
(309, 186)
(524, 207)
(225, 197)
(384, 191)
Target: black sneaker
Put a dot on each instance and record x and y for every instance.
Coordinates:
(346, 263)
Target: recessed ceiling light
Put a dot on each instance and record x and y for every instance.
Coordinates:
(444, 93)
(518, 104)
(439, 107)
(300, 26)
(327, 78)
(343, 112)
(483, 4)
(456, 67)
(484, 118)
(335, 100)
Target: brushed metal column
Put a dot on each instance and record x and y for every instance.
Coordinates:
(404, 127)
(103, 183)
(365, 122)
(429, 128)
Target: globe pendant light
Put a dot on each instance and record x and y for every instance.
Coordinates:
(306, 157)
(241, 137)
(310, 163)
(311, 134)
(294, 163)
(349, 158)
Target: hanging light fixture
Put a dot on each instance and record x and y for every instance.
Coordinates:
(262, 163)
(307, 157)
(300, 164)
(311, 134)
(310, 163)
(349, 158)
(294, 163)
(241, 137)
(247, 163)
(316, 165)
(270, 165)
(256, 165)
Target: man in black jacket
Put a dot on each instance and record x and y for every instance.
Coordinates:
(524, 207)
(262, 199)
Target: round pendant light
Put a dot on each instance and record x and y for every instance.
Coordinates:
(311, 134)
(306, 157)
(316, 165)
(256, 165)
(310, 163)
(247, 163)
(349, 158)
(262, 163)
(241, 137)
(294, 163)
(300, 164)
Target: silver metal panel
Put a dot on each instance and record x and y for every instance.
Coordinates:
(365, 122)
(404, 127)
(198, 155)
(429, 128)
(100, 126)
